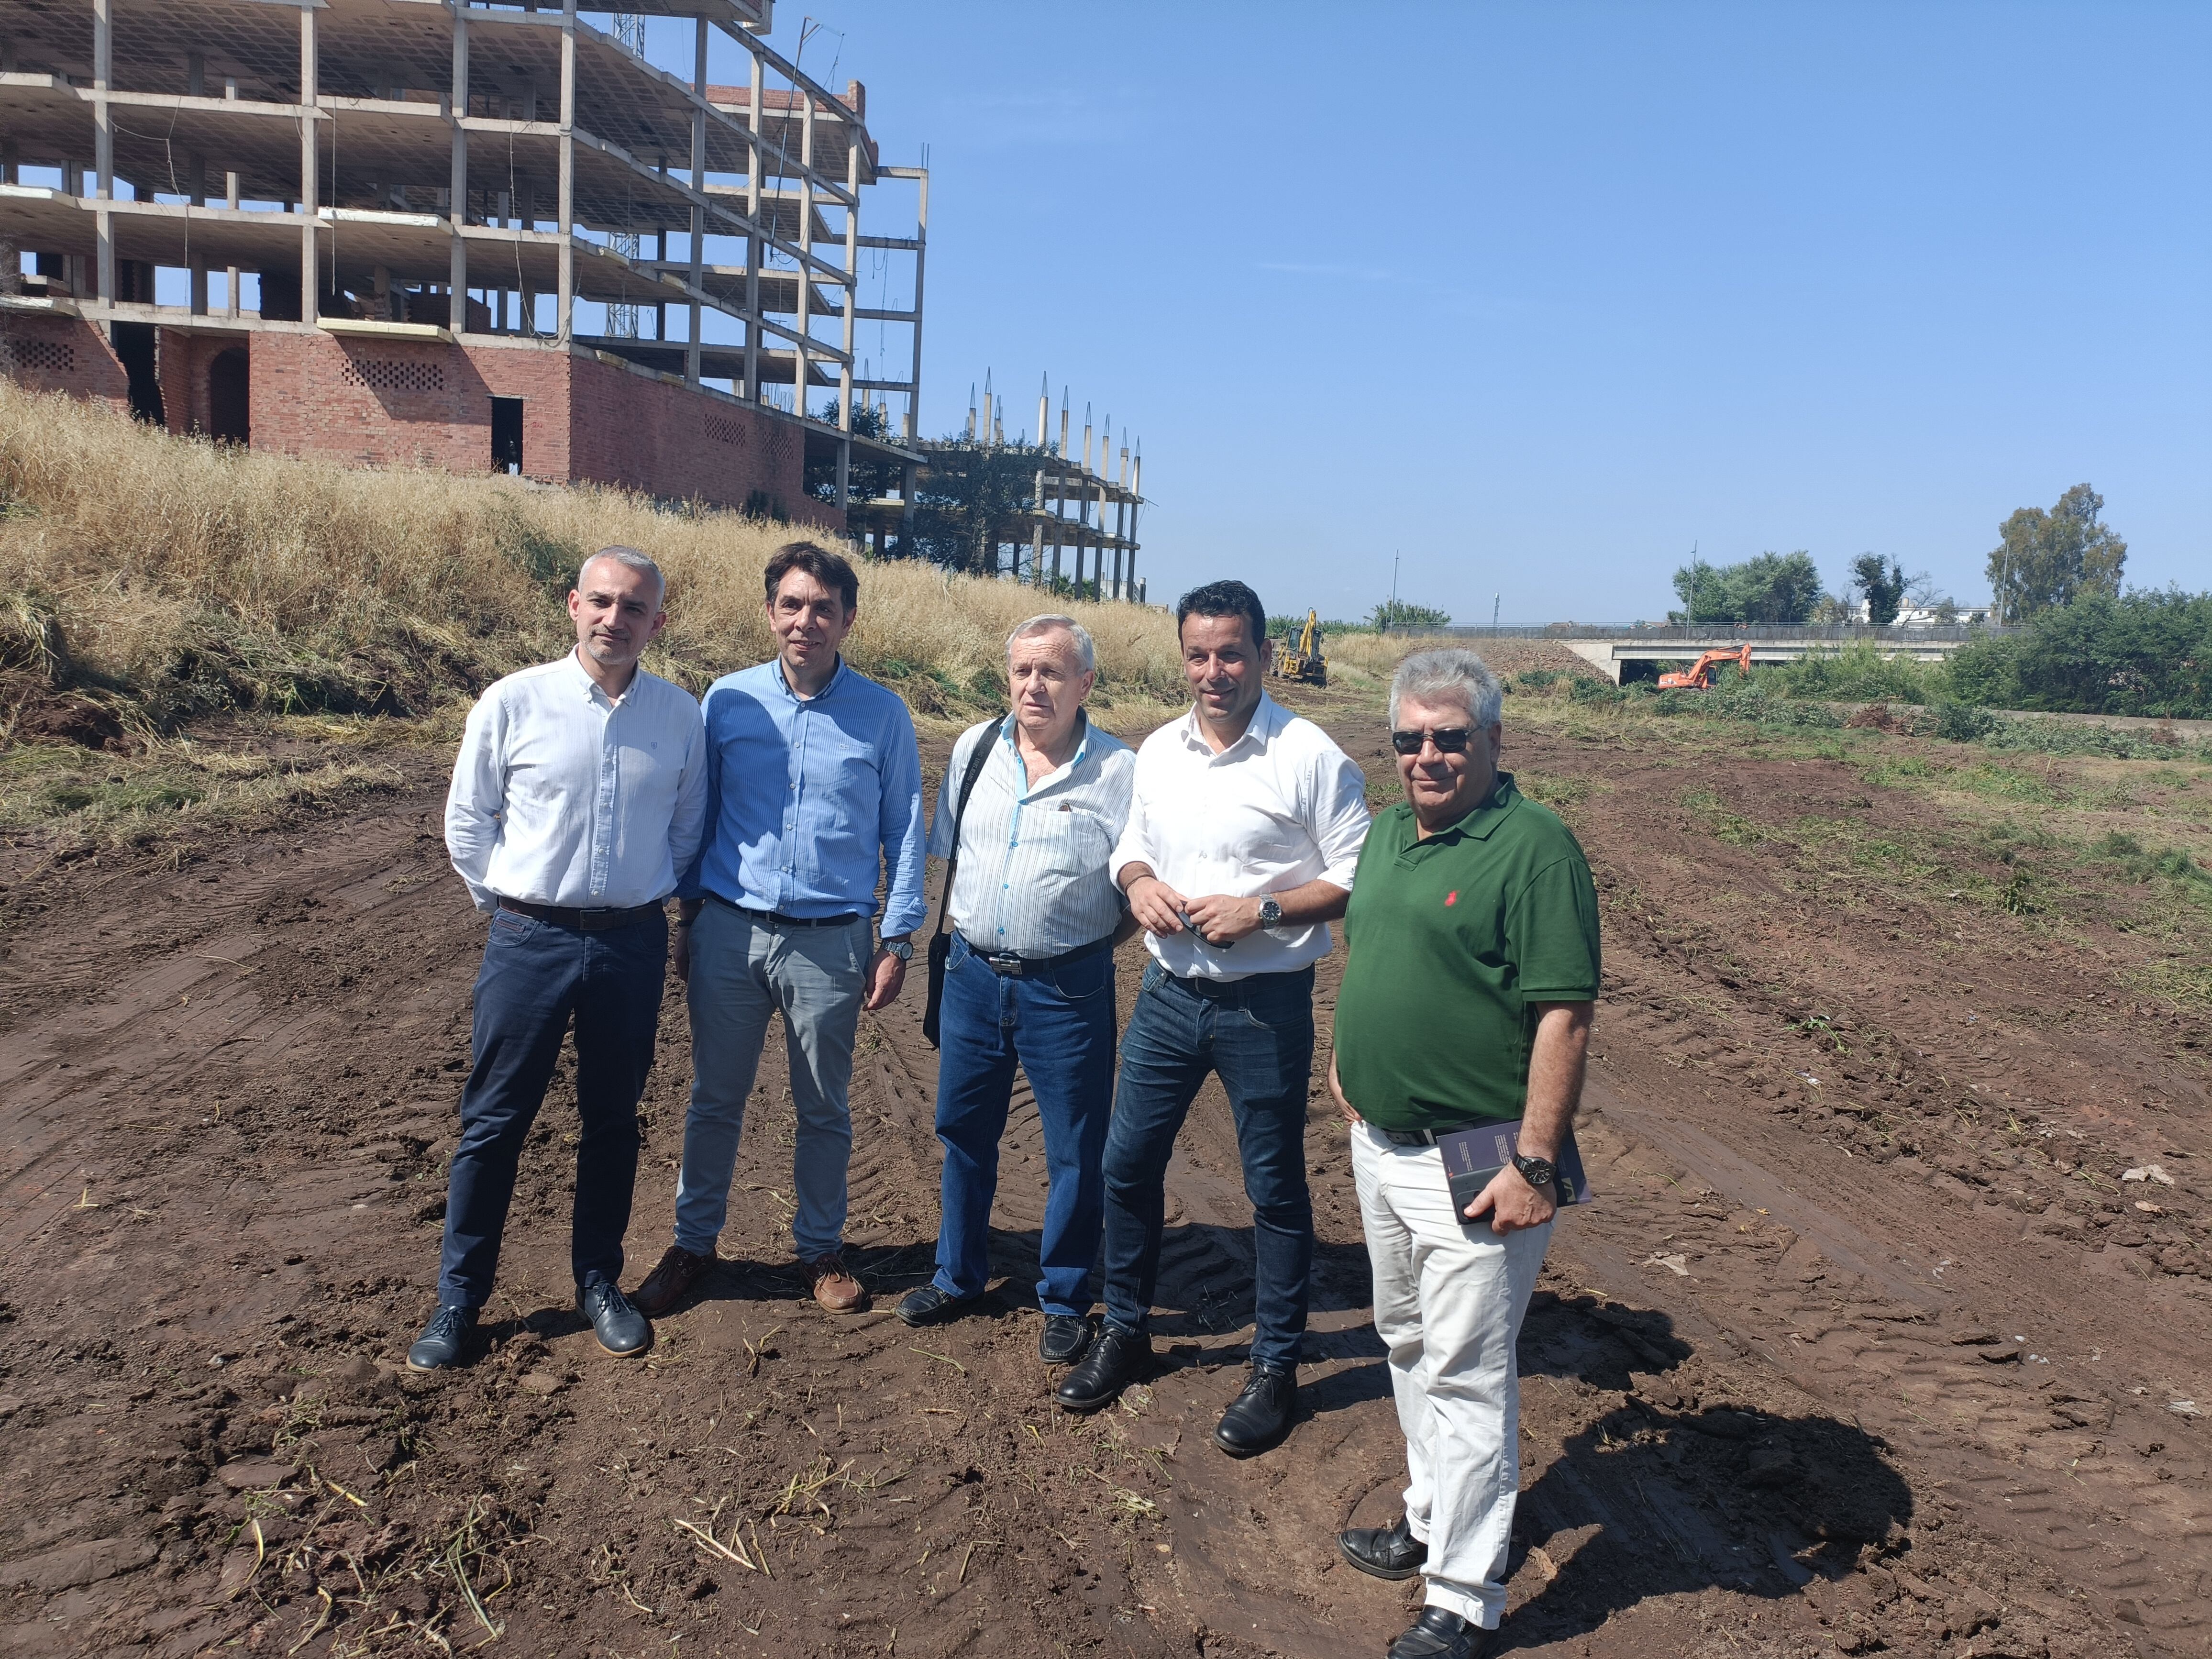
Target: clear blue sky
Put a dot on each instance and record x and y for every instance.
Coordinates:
(1541, 294)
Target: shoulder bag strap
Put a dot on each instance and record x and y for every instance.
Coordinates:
(984, 746)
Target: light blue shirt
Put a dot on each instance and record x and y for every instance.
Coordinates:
(1033, 875)
(809, 798)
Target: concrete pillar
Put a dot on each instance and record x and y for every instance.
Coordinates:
(103, 139)
(920, 253)
(457, 315)
(852, 298)
(754, 245)
(564, 316)
(699, 183)
(805, 240)
(310, 167)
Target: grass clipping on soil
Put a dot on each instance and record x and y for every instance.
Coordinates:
(145, 578)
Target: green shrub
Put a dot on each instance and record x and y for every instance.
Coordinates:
(1962, 723)
(1585, 689)
(1858, 672)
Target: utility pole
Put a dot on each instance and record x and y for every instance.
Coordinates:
(1496, 600)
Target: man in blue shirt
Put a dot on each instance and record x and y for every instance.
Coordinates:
(814, 785)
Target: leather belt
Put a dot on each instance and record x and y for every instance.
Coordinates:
(1419, 1137)
(590, 921)
(777, 919)
(1009, 964)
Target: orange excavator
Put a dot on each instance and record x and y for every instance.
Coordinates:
(1699, 675)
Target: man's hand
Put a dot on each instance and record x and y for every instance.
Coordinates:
(1155, 904)
(886, 973)
(1221, 919)
(1344, 1109)
(683, 952)
(1512, 1204)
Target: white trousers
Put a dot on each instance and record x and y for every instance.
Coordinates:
(1449, 1300)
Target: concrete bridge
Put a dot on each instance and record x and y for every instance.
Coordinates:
(1643, 652)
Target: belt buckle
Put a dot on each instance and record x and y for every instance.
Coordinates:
(1006, 965)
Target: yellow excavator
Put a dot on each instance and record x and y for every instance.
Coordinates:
(1301, 658)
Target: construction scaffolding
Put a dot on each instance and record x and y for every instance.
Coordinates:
(1033, 511)
(352, 167)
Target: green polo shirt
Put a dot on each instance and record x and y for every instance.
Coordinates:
(1453, 942)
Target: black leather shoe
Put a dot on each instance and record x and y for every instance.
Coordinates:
(1116, 1359)
(1066, 1338)
(931, 1306)
(1260, 1416)
(623, 1331)
(442, 1340)
(1389, 1551)
(1437, 1634)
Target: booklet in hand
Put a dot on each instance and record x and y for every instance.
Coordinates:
(1472, 1156)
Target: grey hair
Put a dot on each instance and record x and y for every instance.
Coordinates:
(1086, 652)
(628, 557)
(1451, 675)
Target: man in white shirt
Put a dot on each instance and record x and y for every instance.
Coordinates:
(1245, 827)
(579, 794)
(1030, 810)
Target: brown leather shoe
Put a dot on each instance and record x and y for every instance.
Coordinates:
(834, 1287)
(667, 1284)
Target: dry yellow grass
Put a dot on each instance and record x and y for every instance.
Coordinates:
(169, 577)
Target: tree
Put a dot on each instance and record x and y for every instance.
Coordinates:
(1774, 587)
(2051, 559)
(1882, 586)
(1403, 613)
(865, 481)
(968, 501)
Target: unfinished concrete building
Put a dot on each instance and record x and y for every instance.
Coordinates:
(473, 236)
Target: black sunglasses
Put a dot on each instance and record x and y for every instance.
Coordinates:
(1449, 739)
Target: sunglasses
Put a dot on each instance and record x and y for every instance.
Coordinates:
(1448, 739)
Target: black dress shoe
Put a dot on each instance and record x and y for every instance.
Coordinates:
(442, 1340)
(931, 1306)
(1389, 1551)
(1066, 1338)
(1260, 1416)
(1439, 1634)
(623, 1331)
(1116, 1359)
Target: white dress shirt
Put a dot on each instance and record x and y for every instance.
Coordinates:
(1280, 807)
(1034, 877)
(562, 795)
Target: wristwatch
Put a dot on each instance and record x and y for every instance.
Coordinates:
(1536, 1171)
(901, 948)
(1271, 913)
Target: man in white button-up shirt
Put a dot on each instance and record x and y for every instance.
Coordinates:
(1030, 980)
(1245, 827)
(579, 792)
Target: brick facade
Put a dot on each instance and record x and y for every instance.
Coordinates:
(375, 402)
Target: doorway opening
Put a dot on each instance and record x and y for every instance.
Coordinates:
(230, 397)
(507, 434)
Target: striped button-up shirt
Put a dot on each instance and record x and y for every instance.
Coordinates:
(562, 795)
(1033, 876)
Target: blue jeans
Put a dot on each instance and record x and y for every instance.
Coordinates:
(536, 976)
(1257, 1035)
(742, 971)
(1059, 1027)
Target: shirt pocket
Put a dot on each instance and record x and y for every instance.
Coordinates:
(1071, 843)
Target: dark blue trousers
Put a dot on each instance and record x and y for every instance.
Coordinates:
(1257, 1035)
(1059, 1027)
(537, 977)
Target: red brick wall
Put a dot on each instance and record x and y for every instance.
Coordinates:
(666, 440)
(61, 354)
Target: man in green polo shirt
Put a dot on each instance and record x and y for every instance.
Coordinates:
(1473, 969)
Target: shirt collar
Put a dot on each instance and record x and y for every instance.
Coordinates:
(1074, 760)
(1267, 719)
(1485, 818)
(593, 690)
(828, 685)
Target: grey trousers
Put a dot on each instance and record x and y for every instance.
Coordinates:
(742, 972)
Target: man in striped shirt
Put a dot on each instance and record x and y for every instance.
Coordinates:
(1030, 978)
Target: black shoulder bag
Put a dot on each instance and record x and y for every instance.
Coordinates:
(940, 942)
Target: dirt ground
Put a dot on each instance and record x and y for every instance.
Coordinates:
(1865, 1346)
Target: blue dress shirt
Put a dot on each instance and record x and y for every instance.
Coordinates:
(809, 798)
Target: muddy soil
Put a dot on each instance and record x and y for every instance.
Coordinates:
(1865, 1346)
